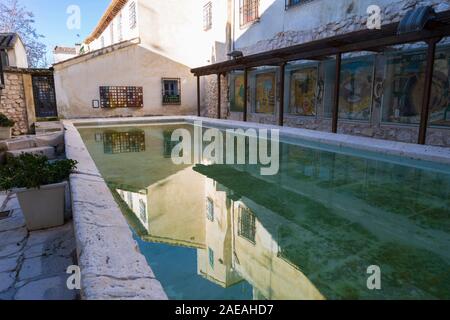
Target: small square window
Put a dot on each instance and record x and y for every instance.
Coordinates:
(247, 224)
(171, 91)
(207, 16)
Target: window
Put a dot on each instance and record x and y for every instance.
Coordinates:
(121, 97)
(237, 93)
(119, 27)
(3, 63)
(142, 210)
(210, 209)
(403, 92)
(291, 3)
(247, 224)
(265, 93)
(171, 93)
(249, 11)
(211, 257)
(207, 16)
(302, 99)
(130, 201)
(4, 58)
(111, 31)
(132, 10)
(102, 41)
(356, 88)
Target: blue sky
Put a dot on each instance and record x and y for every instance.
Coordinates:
(51, 18)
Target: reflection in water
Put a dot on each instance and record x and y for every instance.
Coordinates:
(123, 142)
(310, 232)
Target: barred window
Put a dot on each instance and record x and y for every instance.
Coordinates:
(171, 91)
(249, 11)
(142, 210)
(111, 31)
(123, 142)
(121, 97)
(102, 41)
(207, 16)
(210, 209)
(247, 224)
(133, 21)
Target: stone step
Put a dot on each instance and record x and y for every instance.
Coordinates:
(18, 144)
(49, 152)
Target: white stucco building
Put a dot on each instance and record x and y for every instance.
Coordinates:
(12, 51)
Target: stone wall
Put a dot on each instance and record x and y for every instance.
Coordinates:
(353, 22)
(13, 103)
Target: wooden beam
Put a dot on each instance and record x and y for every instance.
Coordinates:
(219, 96)
(281, 107)
(427, 90)
(337, 85)
(245, 94)
(198, 96)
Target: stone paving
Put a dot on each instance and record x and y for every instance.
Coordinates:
(33, 264)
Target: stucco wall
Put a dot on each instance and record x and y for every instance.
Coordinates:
(77, 82)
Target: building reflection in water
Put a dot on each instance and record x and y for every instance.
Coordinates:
(307, 233)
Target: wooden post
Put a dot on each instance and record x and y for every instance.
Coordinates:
(219, 98)
(336, 93)
(245, 93)
(427, 90)
(198, 96)
(281, 107)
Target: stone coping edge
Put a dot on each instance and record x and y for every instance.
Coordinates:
(440, 155)
(112, 268)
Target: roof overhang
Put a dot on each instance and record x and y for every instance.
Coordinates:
(110, 13)
(362, 40)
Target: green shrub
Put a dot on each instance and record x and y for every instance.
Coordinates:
(33, 171)
(5, 122)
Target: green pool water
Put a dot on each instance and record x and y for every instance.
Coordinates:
(309, 232)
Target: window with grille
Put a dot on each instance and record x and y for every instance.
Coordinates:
(102, 41)
(171, 91)
(249, 11)
(121, 97)
(111, 32)
(142, 210)
(247, 224)
(133, 19)
(207, 16)
(210, 209)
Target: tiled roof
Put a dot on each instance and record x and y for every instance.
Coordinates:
(110, 13)
(7, 40)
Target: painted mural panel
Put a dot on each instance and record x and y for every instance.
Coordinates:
(405, 78)
(265, 93)
(355, 100)
(237, 95)
(303, 92)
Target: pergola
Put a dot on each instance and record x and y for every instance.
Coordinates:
(421, 24)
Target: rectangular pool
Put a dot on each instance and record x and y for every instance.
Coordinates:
(311, 231)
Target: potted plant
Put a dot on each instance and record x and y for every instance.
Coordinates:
(40, 186)
(5, 127)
